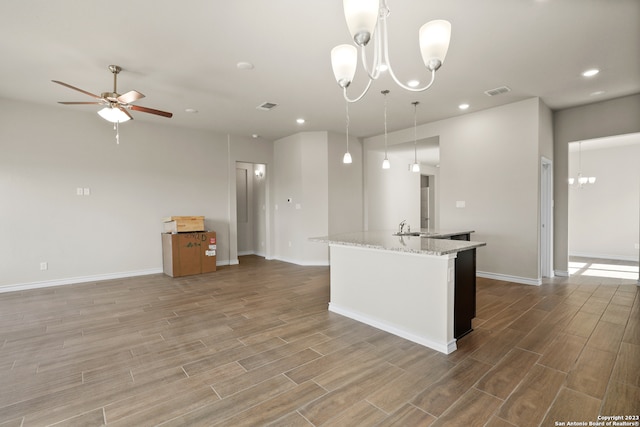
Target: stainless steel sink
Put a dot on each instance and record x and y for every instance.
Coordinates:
(410, 233)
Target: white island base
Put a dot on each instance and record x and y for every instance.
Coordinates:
(410, 295)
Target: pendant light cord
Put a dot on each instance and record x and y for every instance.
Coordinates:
(415, 132)
(347, 123)
(385, 92)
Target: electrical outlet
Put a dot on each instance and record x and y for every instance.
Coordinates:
(86, 191)
(44, 265)
(79, 191)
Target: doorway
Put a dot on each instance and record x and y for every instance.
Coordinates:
(251, 211)
(604, 209)
(427, 201)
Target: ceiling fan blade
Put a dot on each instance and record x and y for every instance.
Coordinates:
(75, 88)
(124, 110)
(150, 110)
(79, 103)
(129, 97)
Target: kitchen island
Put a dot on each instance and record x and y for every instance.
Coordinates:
(420, 286)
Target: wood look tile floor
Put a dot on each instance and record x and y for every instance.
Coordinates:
(254, 345)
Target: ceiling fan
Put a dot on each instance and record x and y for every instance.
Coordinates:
(115, 105)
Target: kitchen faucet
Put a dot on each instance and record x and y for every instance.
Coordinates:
(404, 221)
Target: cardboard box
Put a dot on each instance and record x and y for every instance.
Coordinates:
(186, 254)
(183, 224)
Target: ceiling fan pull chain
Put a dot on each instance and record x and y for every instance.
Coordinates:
(117, 128)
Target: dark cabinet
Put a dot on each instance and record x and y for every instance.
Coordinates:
(465, 236)
(465, 293)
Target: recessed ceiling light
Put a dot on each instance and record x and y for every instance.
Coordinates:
(383, 67)
(463, 106)
(413, 83)
(591, 73)
(244, 65)
(255, 135)
(300, 121)
(190, 110)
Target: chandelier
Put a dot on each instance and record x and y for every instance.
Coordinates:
(367, 19)
(581, 179)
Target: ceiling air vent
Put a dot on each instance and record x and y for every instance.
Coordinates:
(266, 106)
(497, 91)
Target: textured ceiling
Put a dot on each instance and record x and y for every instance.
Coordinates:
(184, 54)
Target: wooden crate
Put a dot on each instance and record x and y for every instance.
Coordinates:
(183, 224)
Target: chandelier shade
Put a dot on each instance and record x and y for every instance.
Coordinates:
(434, 42)
(344, 60)
(361, 17)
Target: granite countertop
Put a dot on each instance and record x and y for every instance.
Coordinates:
(430, 242)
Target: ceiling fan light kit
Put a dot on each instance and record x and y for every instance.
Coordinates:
(115, 105)
(114, 115)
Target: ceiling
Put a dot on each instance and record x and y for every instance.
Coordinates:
(184, 55)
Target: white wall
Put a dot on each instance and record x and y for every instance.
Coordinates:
(490, 160)
(345, 185)
(326, 195)
(604, 217)
(301, 176)
(393, 194)
(260, 211)
(158, 170)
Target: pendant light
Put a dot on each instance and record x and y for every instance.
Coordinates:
(415, 167)
(385, 163)
(347, 156)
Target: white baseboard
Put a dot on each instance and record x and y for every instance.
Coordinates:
(258, 253)
(316, 263)
(561, 273)
(632, 258)
(508, 278)
(79, 279)
(445, 348)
